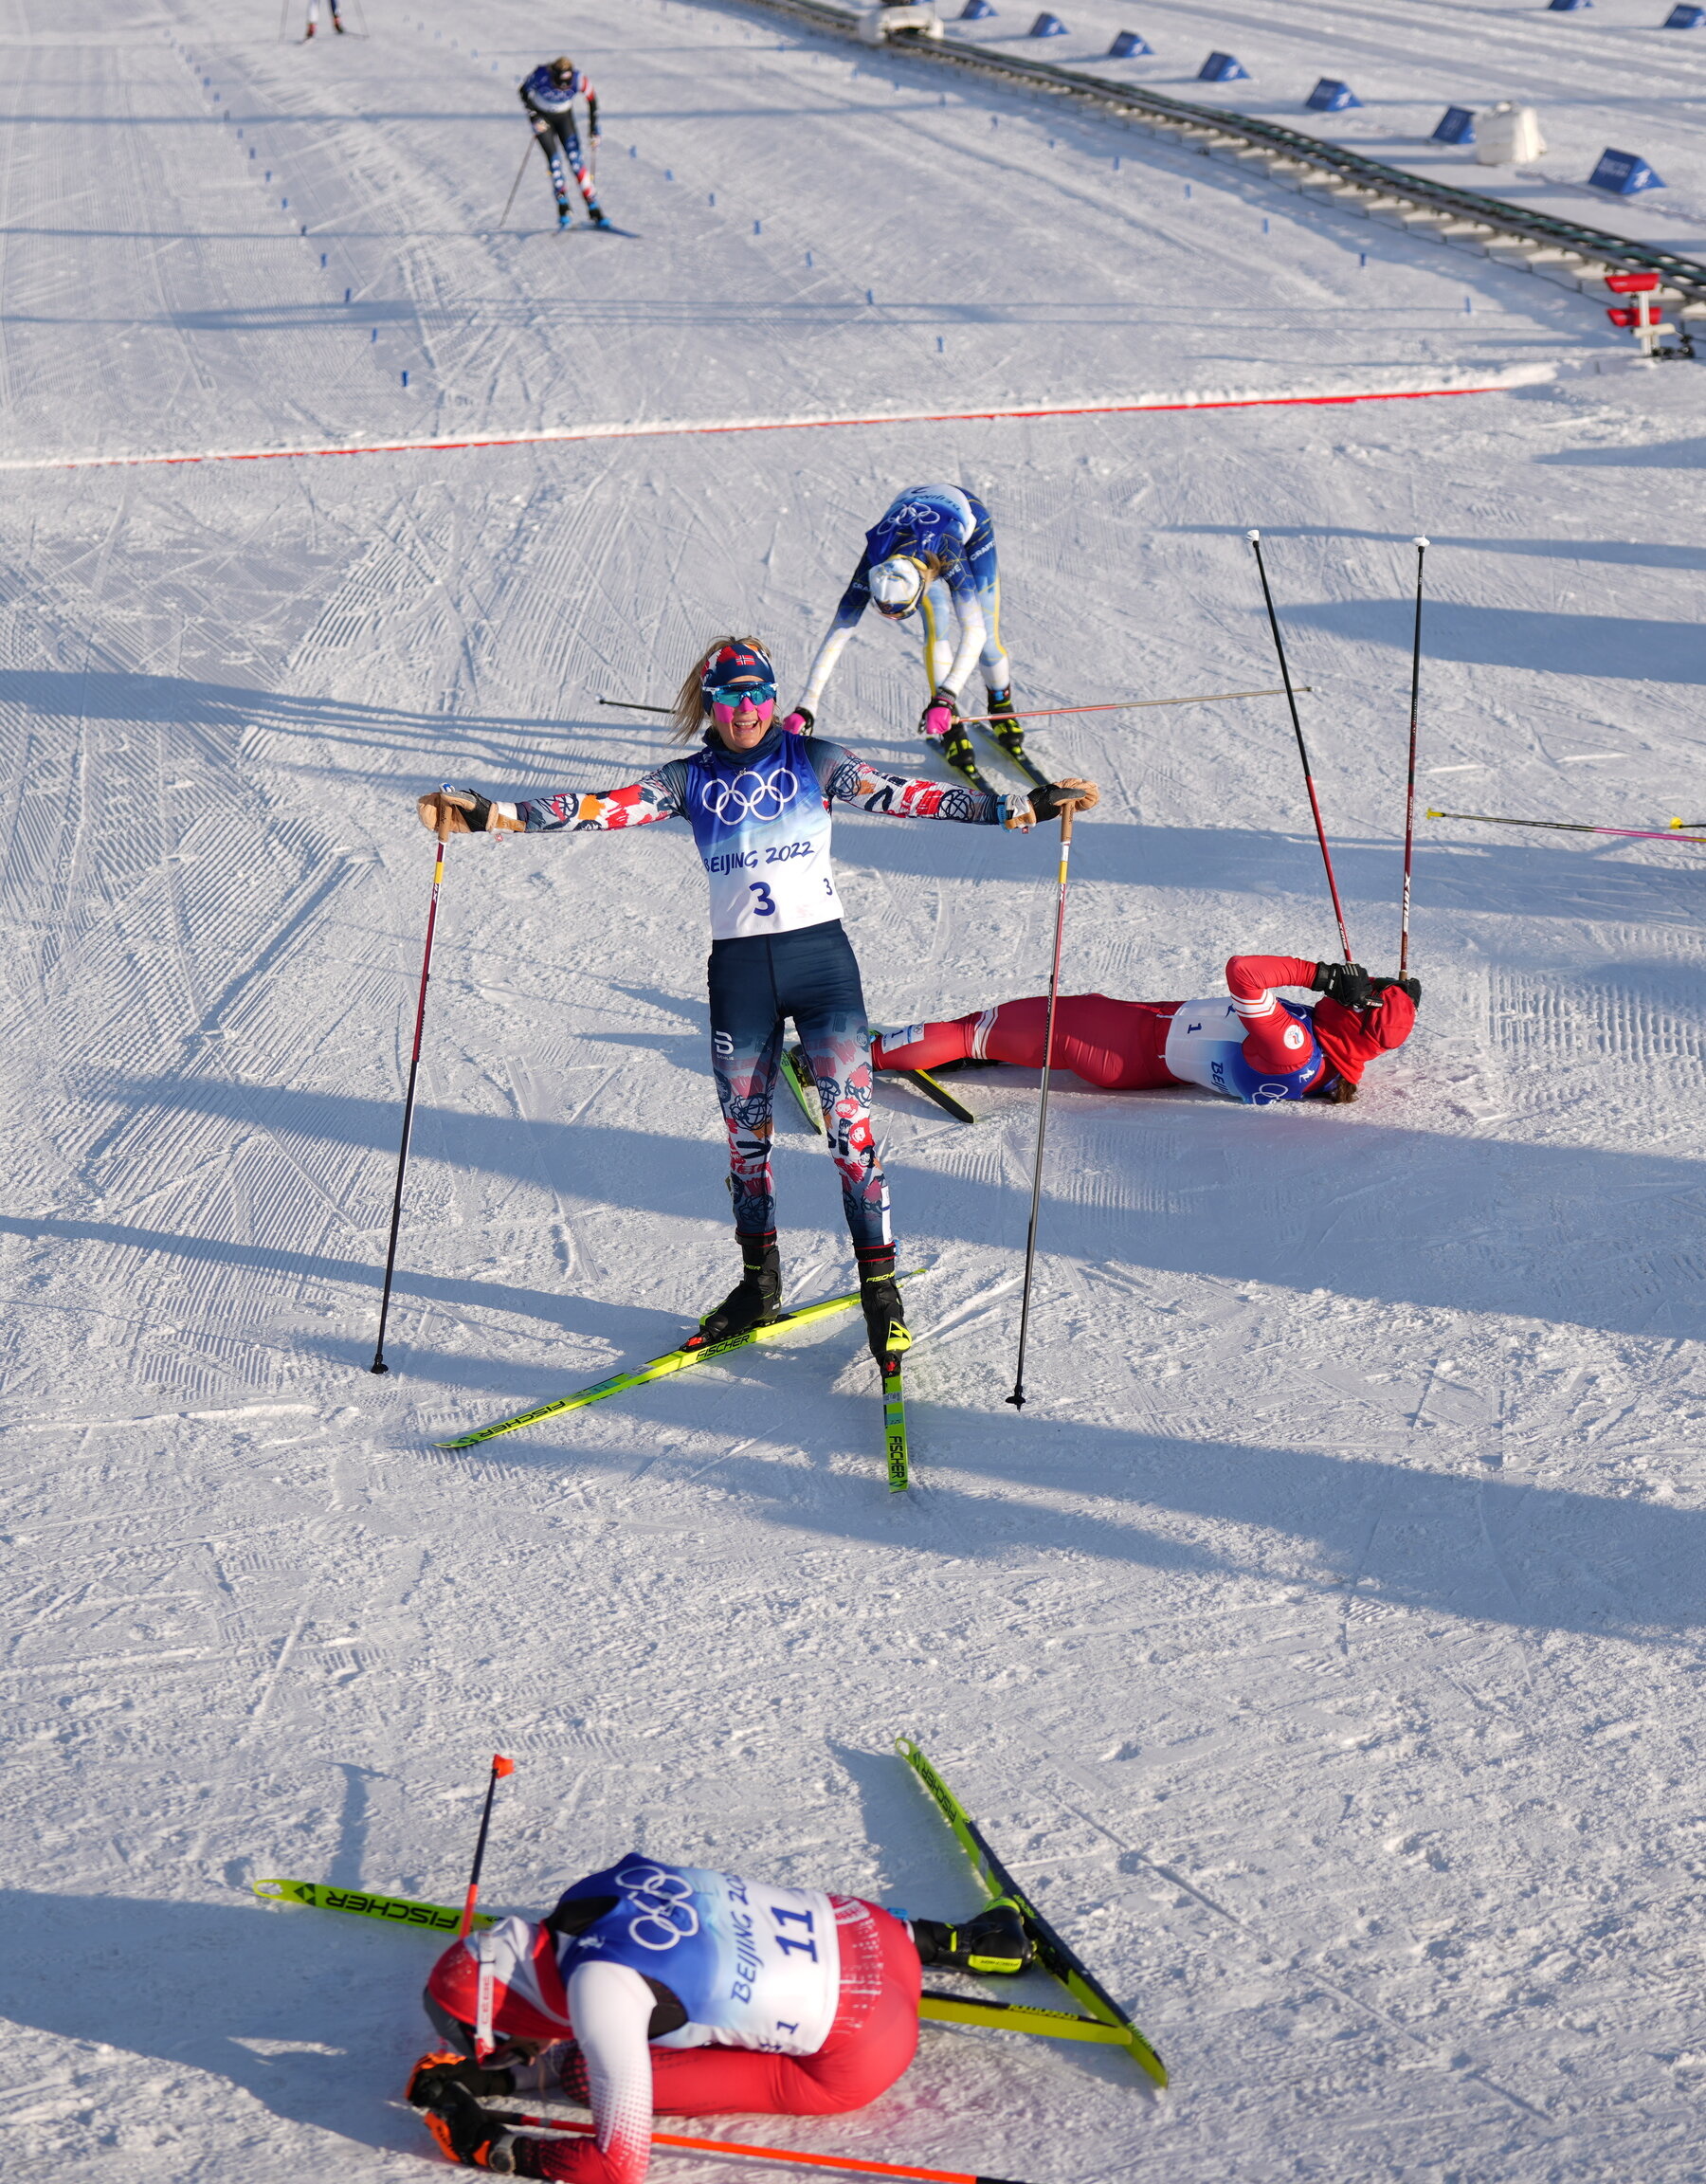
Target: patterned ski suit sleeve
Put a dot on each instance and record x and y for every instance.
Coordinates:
(849, 779)
(611, 2006)
(1251, 980)
(658, 795)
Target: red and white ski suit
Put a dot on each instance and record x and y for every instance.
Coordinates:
(1121, 1045)
(625, 2081)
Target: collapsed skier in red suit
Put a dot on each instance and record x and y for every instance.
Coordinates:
(1246, 1043)
(678, 1989)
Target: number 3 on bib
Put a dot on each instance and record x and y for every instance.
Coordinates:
(765, 906)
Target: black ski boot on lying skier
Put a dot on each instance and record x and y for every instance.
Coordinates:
(995, 1941)
(885, 1316)
(755, 1299)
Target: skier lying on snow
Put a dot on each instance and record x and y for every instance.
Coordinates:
(758, 801)
(933, 548)
(677, 1988)
(548, 96)
(1251, 1045)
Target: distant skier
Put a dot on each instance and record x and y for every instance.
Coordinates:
(758, 800)
(1246, 1043)
(932, 550)
(337, 21)
(676, 1989)
(549, 95)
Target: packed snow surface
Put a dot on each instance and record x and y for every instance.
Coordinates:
(1322, 1643)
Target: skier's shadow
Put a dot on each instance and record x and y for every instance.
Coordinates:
(314, 2018)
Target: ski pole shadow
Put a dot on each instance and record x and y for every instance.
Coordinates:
(1480, 1549)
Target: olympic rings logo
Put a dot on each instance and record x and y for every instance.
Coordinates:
(664, 1903)
(769, 796)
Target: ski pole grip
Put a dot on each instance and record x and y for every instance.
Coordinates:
(443, 828)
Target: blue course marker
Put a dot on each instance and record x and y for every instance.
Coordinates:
(1623, 174)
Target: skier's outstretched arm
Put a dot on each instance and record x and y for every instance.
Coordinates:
(849, 779)
(639, 803)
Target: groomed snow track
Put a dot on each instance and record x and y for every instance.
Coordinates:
(1561, 250)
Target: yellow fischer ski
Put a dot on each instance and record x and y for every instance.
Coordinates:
(1054, 1955)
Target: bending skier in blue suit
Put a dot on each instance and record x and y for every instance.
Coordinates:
(932, 551)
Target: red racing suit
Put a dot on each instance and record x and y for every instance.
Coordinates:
(871, 2041)
(1284, 1052)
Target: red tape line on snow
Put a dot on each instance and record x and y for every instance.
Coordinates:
(568, 433)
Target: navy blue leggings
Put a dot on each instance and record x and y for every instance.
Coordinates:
(812, 976)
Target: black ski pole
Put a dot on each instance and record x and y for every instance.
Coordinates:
(1255, 538)
(1017, 1397)
(514, 187)
(501, 1767)
(409, 1098)
(632, 705)
(1409, 791)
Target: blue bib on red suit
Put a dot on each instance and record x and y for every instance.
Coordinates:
(1204, 1045)
(752, 1965)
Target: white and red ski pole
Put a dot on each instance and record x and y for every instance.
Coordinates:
(1409, 791)
(1120, 705)
(1255, 538)
(408, 1098)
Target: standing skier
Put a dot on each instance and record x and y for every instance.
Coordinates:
(337, 21)
(1246, 1043)
(549, 95)
(932, 549)
(674, 1987)
(758, 800)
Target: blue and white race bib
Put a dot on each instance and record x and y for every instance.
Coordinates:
(1204, 1045)
(753, 1966)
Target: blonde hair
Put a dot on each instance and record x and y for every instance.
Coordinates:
(689, 708)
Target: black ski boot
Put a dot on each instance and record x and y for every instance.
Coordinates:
(596, 217)
(755, 1299)
(1003, 726)
(885, 1316)
(957, 747)
(995, 1941)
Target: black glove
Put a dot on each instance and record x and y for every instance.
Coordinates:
(1346, 983)
(468, 2135)
(1048, 801)
(1410, 986)
(433, 2074)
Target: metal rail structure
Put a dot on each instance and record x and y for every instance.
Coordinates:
(1561, 250)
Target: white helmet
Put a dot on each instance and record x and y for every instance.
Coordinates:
(897, 584)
